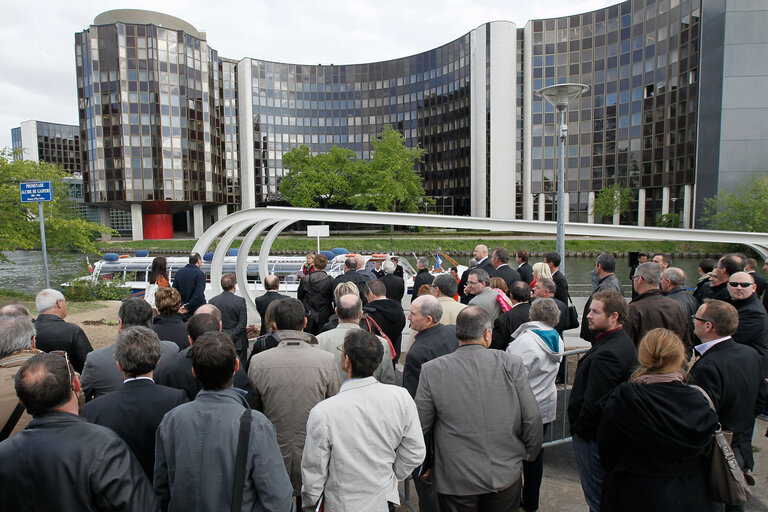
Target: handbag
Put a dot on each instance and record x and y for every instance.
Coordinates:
(726, 482)
(573, 315)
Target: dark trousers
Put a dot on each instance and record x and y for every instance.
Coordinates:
(506, 500)
(425, 489)
(533, 472)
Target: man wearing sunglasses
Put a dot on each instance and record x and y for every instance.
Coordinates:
(60, 461)
(753, 320)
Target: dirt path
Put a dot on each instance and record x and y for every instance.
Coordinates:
(94, 323)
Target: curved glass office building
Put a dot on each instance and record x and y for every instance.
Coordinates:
(170, 128)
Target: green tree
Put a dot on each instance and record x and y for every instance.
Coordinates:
(389, 182)
(611, 200)
(65, 228)
(744, 208)
(318, 180)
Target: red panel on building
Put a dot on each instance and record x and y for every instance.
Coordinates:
(157, 220)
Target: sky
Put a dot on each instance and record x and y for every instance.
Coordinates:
(37, 37)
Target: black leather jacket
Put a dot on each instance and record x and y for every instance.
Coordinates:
(62, 462)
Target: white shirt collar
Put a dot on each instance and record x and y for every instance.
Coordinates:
(137, 378)
(702, 348)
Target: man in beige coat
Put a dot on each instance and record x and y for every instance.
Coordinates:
(444, 288)
(17, 344)
(289, 380)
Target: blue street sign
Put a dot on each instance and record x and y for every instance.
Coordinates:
(33, 191)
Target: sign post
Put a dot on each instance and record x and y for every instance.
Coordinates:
(39, 192)
(318, 230)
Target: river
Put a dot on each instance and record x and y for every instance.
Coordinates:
(24, 272)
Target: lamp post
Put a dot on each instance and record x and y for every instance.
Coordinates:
(560, 96)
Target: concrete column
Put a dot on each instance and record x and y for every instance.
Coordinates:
(641, 207)
(567, 206)
(189, 222)
(616, 216)
(105, 220)
(590, 208)
(221, 212)
(198, 221)
(687, 201)
(528, 197)
(665, 200)
(245, 134)
(477, 126)
(137, 222)
(542, 207)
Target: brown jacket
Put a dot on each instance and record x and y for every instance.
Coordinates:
(650, 310)
(9, 366)
(287, 382)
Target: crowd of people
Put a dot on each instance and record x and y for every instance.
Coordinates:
(177, 414)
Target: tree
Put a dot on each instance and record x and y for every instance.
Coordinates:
(744, 208)
(390, 183)
(65, 228)
(612, 200)
(318, 180)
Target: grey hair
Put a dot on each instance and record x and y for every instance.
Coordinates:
(47, 299)
(446, 284)
(472, 262)
(650, 272)
(482, 275)
(607, 261)
(545, 311)
(138, 350)
(388, 266)
(675, 276)
(16, 333)
(549, 284)
(430, 306)
(15, 310)
(471, 323)
(424, 262)
(345, 288)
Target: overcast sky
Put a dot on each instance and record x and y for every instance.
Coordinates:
(37, 80)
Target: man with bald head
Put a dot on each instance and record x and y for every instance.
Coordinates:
(483, 261)
(271, 285)
(753, 320)
(431, 341)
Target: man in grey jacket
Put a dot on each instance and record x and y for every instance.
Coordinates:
(605, 268)
(195, 451)
(479, 285)
(484, 418)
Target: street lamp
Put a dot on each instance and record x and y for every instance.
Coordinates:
(560, 96)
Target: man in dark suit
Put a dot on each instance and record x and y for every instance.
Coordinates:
(483, 261)
(500, 262)
(352, 276)
(271, 286)
(753, 320)
(507, 323)
(422, 276)
(751, 269)
(607, 364)
(190, 281)
(524, 269)
(732, 376)
(481, 412)
(465, 297)
(553, 260)
(100, 375)
(395, 285)
(234, 315)
(135, 410)
(432, 340)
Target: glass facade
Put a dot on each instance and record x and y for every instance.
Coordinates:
(164, 118)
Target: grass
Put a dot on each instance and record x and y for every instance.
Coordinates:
(73, 308)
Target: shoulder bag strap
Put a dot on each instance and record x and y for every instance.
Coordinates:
(12, 421)
(243, 439)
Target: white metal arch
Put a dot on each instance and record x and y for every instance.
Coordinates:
(282, 217)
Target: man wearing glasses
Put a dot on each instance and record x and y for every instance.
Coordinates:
(60, 461)
(479, 288)
(753, 320)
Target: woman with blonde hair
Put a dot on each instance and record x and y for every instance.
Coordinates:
(540, 269)
(654, 431)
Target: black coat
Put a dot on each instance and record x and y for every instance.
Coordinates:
(62, 462)
(316, 293)
(145, 403)
(753, 327)
(427, 345)
(390, 317)
(707, 291)
(263, 301)
(507, 273)
(422, 277)
(507, 323)
(733, 377)
(607, 364)
(178, 375)
(53, 333)
(463, 297)
(234, 317)
(651, 442)
(352, 277)
(486, 265)
(526, 272)
(172, 328)
(561, 287)
(395, 286)
(759, 281)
